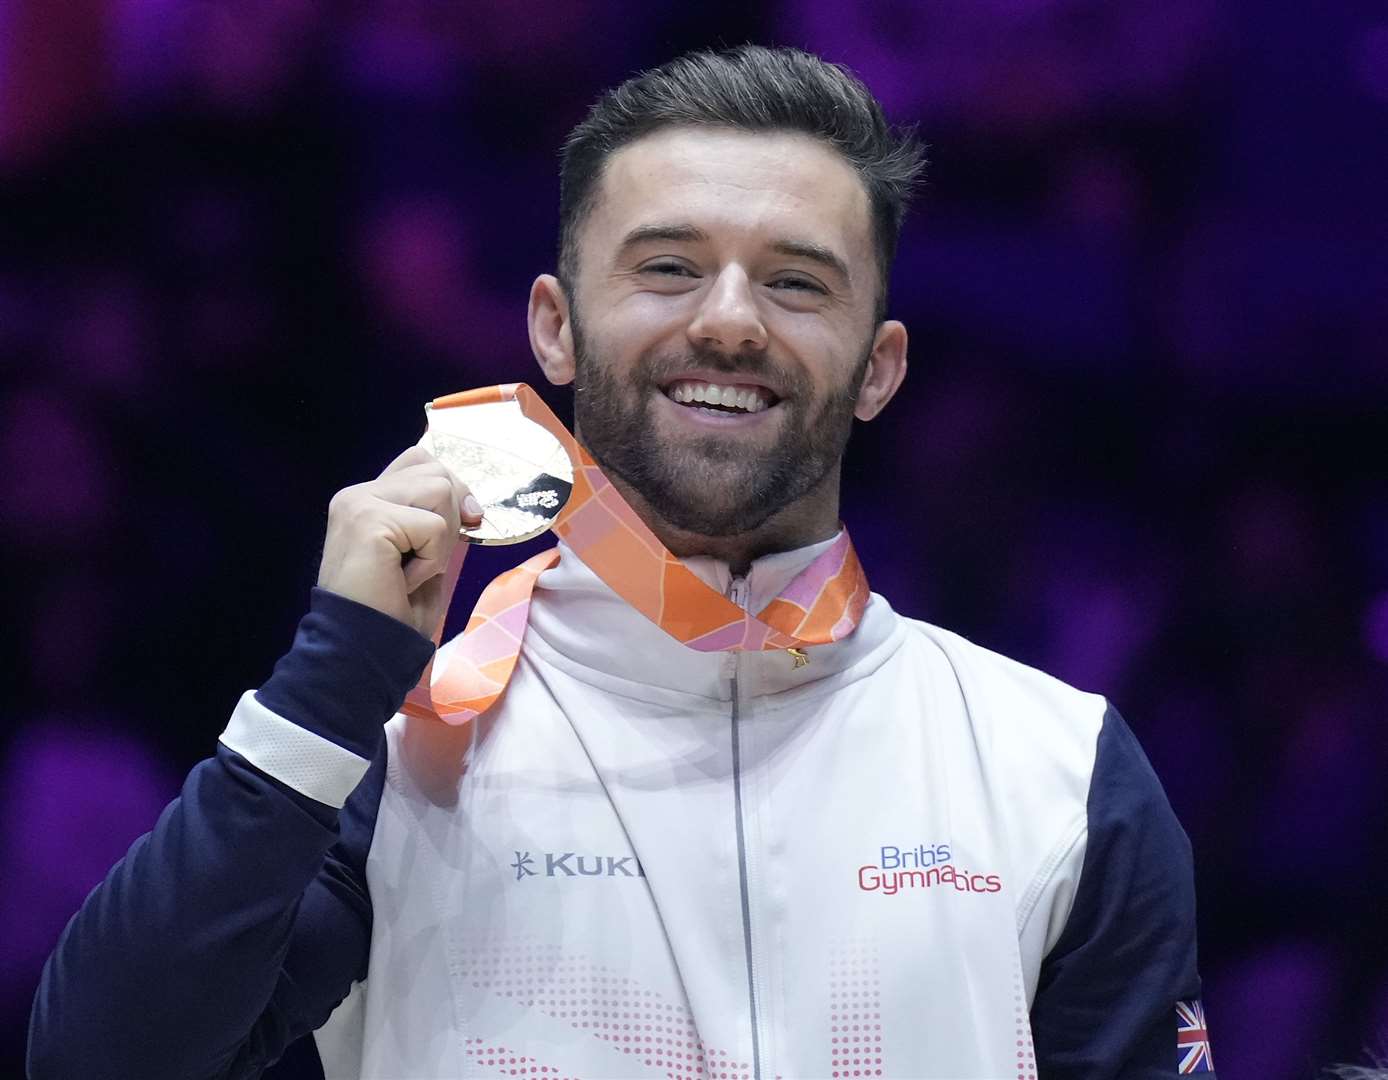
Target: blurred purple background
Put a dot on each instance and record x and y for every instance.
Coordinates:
(1141, 446)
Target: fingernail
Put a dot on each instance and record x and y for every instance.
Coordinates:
(471, 506)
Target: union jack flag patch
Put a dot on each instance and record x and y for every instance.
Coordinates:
(1192, 1039)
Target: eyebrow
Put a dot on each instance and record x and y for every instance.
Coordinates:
(692, 234)
(670, 234)
(817, 253)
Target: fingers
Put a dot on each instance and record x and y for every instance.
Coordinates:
(427, 538)
(418, 461)
(429, 485)
(388, 538)
(415, 455)
(424, 505)
(421, 487)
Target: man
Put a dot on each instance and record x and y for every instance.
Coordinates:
(873, 849)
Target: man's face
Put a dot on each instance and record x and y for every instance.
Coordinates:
(722, 316)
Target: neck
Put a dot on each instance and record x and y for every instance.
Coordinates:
(811, 518)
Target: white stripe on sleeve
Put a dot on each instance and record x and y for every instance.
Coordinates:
(308, 763)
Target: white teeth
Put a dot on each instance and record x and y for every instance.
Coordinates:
(730, 397)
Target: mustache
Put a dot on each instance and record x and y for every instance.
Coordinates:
(660, 369)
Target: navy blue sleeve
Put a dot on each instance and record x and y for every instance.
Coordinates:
(240, 921)
(1106, 1005)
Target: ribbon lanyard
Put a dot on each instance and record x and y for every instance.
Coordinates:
(822, 604)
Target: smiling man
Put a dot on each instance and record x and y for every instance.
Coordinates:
(721, 306)
(760, 825)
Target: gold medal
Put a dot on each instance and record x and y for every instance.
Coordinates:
(516, 469)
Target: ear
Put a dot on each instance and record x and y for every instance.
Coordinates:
(551, 332)
(886, 368)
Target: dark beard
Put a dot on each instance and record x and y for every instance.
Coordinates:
(709, 486)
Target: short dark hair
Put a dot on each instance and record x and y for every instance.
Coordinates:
(751, 88)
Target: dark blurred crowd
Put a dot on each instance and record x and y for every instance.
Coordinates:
(1143, 444)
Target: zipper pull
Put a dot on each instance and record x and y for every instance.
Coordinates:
(800, 657)
(737, 593)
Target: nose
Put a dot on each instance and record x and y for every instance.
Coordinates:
(728, 317)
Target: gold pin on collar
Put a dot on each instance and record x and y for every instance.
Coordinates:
(800, 658)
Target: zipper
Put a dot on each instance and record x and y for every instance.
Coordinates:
(737, 593)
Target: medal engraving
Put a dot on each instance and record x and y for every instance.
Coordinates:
(516, 469)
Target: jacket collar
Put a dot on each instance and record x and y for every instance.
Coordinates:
(577, 622)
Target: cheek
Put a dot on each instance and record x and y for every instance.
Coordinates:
(827, 357)
(652, 313)
(637, 327)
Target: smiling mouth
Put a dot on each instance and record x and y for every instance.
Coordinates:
(720, 397)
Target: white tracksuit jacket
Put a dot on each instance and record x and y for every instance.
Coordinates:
(909, 858)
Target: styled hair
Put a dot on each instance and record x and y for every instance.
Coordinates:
(748, 88)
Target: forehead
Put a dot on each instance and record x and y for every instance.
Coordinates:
(734, 185)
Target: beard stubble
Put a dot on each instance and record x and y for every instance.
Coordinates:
(710, 485)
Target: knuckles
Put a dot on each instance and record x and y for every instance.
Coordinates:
(438, 531)
(349, 505)
(439, 489)
(431, 484)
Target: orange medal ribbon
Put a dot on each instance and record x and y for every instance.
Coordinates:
(823, 603)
